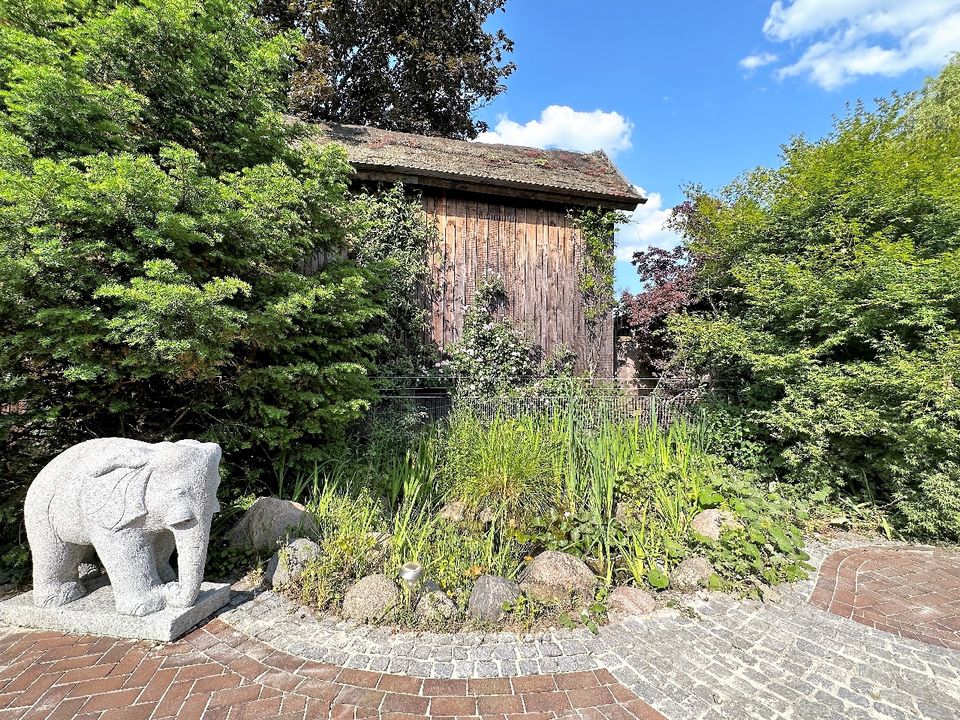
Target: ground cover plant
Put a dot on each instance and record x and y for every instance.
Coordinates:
(825, 311)
(484, 495)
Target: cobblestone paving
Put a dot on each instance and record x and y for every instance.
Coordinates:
(218, 673)
(911, 592)
(725, 659)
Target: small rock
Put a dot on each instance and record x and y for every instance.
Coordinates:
(455, 511)
(554, 576)
(487, 516)
(286, 566)
(371, 598)
(435, 606)
(268, 522)
(255, 580)
(489, 595)
(691, 574)
(710, 523)
(630, 601)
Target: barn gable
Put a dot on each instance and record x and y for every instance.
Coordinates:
(505, 210)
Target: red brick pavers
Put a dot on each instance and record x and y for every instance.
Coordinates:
(911, 592)
(217, 672)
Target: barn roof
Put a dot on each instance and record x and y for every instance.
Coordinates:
(589, 179)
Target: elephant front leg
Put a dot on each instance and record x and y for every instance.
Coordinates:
(128, 556)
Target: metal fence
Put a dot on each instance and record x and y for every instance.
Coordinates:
(590, 400)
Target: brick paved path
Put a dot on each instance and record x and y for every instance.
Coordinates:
(723, 659)
(910, 592)
(216, 672)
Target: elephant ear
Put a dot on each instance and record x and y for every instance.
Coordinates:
(117, 497)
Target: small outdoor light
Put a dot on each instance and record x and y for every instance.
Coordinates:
(410, 573)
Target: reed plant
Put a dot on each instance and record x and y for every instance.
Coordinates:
(506, 466)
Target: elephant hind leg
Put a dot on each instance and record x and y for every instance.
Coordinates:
(55, 580)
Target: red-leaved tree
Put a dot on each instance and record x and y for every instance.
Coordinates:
(668, 278)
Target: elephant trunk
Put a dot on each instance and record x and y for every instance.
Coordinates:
(191, 558)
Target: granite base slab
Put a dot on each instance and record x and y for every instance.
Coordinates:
(95, 614)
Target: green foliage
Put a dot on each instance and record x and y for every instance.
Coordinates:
(492, 355)
(670, 473)
(621, 496)
(765, 547)
(835, 326)
(420, 66)
(226, 564)
(350, 526)
(87, 77)
(526, 613)
(504, 466)
(598, 229)
(152, 224)
(392, 241)
(360, 533)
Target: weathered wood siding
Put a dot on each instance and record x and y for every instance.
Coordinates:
(536, 250)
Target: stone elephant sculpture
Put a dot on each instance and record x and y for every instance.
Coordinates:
(134, 503)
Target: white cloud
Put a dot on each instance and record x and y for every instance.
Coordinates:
(845, 40)
(758, 60)
(563, 127)
(645, 229)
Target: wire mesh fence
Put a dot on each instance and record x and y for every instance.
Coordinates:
(589, 400)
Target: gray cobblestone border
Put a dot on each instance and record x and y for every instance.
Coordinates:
(730, 659)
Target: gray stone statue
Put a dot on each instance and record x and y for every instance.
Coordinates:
(133, 502)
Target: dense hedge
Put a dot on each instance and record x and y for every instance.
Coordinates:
(833, 288)
(153, 219)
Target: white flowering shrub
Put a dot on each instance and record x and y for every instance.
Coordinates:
(493, 355)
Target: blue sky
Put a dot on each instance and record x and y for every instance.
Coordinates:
(698, 92)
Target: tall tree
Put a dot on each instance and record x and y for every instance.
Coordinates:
(421, 66)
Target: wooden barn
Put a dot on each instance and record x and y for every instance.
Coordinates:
(502, 209)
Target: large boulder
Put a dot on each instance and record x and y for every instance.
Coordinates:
(628, 600)
(691, 574)
(286, 566)
(435, 606)
(270, 521)
(710, 523)
(489, 595)
(371, 599)
(555, 576)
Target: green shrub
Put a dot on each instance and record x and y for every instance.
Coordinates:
(766, 545)
(393, 239)
(152, 227)
(834, 308)
(492, 356)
